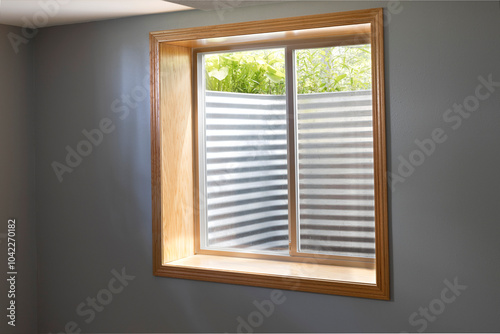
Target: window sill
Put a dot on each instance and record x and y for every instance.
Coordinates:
(278, 268)
(319, 278)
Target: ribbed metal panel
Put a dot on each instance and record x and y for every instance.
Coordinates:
(246, 172)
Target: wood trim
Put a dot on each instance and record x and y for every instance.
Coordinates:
(297, 36)
(310, 269)
(177, 187)
(156, 155)
(374, 17)
(380, 154)
(267, 26)
(276, 281)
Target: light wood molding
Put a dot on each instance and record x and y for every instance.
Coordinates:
(353, 34)
(173, 150)
(156, 155)
(310, 277)
(179, 36)
(177, 152)
(311, 269)
(380, 154)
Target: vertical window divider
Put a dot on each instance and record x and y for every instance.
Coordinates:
(291, 148)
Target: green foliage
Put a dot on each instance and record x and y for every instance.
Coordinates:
(342, 68)
(256, 72)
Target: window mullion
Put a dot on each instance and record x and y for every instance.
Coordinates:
(291, 141)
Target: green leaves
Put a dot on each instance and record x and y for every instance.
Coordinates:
(257, 72)
(219, 74)
(274, 75)
(338, 78)
(342, 68)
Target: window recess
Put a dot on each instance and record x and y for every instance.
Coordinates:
(276, 179)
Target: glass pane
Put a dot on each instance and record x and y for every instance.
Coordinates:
(335, 151)
(244, 158)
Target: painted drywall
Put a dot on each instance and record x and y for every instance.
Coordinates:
(17, 180)
(97, 221)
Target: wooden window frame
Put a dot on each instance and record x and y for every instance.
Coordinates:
(174, 168)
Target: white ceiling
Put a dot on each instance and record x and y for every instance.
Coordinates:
(44, 13)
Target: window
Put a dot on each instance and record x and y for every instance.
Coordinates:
(268, 154)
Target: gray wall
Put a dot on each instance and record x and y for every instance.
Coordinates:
(444, 218)
(17, 178)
